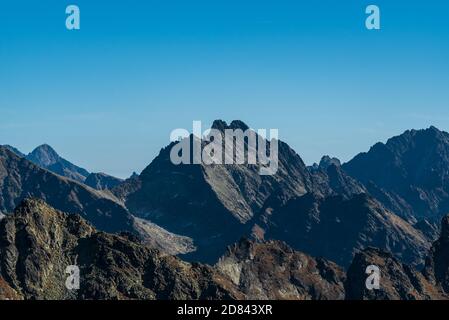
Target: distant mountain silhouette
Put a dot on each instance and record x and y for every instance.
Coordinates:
(46, 157)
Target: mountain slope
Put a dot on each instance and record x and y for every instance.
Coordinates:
(217, 204)
(410, 172)
(102, 181)
(46, 157)
(336, 227)
(19, 179)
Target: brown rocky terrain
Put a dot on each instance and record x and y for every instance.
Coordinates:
(272, 270)
(399, 281)
(37, 243)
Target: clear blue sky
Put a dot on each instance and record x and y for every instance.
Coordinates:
(107, 97)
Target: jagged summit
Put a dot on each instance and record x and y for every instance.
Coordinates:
(235, 124)
(327, 161)
(44, 156)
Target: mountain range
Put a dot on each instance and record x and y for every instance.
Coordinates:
(383, 206)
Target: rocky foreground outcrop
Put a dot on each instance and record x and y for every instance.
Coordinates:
(399, 281)
(38, 243)
(272, 270)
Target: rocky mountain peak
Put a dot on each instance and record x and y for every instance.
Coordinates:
(44, 155)
(234, 125)
(327, 161)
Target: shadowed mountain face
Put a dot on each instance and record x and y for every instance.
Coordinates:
(216, 204)
(409, 173)
(437, 264)
(336, 227)
(19, 179)
(45, 157)
(213, 204)
(322, 211)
